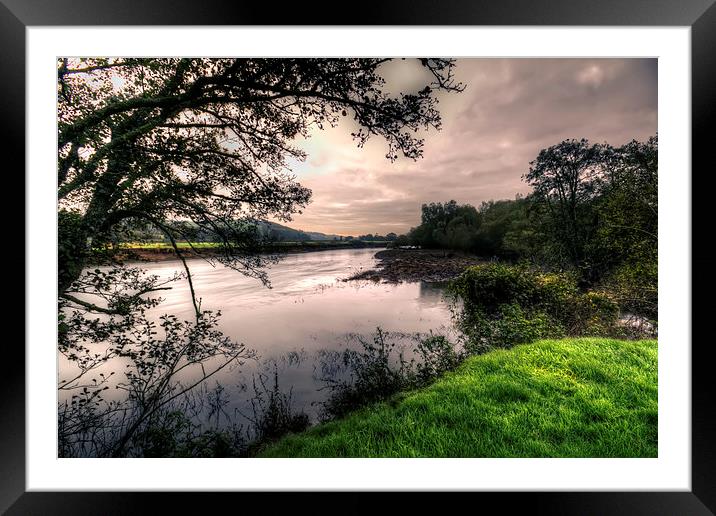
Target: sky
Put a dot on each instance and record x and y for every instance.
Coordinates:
(509, 111)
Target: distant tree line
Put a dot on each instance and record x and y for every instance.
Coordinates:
(265, 231)
(495, 228)
(390, 237)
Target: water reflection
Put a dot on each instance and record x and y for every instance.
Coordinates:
(432, 294)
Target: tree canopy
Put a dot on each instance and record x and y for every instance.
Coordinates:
(566, 178)
(448, 225)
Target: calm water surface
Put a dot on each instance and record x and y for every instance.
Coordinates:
(307, 309)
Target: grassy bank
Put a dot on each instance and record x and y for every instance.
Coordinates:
(587, 397)
(164, 247)
(161, 251)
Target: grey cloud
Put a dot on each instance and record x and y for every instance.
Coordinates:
(510, 110)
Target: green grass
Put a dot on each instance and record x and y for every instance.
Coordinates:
(167, 246)
(587, 397)
(148, 246)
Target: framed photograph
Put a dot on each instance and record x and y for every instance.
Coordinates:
(291, 255)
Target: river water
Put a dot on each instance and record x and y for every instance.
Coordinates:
(307, 310)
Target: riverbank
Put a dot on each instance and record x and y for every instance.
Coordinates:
(398, 265)
(160, 252)
(586, 397)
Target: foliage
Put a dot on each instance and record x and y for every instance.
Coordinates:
(628, 208)
(507, 231)
(566, 178)
(209, 140)
(584, 397)
(593, 211)
(635, 287)
(435, 356)
(156, 355)
(504, 305)
(273, 414)
(596, 205)
(498, 228)
(374, 373)
(628, 229)
(71, 250)
(402, 241)
(509, 325)
(487, 287)
(447, 225)
(173, 434)
(376, 369)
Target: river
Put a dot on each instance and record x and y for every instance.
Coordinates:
(308, 309)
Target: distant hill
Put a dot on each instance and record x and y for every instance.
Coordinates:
(279, 233)
(267, 230)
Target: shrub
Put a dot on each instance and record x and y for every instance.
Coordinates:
(593, 313)
(377, 370)
(635, 286)
(273, 414)
(174, 434)
(374, 375)
(436, 356)
(509, 325)
(504, 305)
(489, 286)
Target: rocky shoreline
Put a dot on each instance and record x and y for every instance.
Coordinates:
(399, 265)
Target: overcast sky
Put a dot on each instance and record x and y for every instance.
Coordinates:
(510, 109)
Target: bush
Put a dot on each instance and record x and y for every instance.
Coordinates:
(505, 327)
(437, 355)
(273, 414)
(593, 313)
(635, 286)
(173, 434)
(505, 305)
(375, 374)
(378, 369)
(487, 287)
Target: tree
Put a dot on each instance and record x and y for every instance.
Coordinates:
(209, 140)
(566, 178)
(627, 235)
(189, 148)
(628, 224)
(446, 226)
(597, 207)
(402, 241)
(506, 229)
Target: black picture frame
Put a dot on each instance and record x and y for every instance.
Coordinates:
(700, 15)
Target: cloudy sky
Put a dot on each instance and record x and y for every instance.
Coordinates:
(510, 109)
